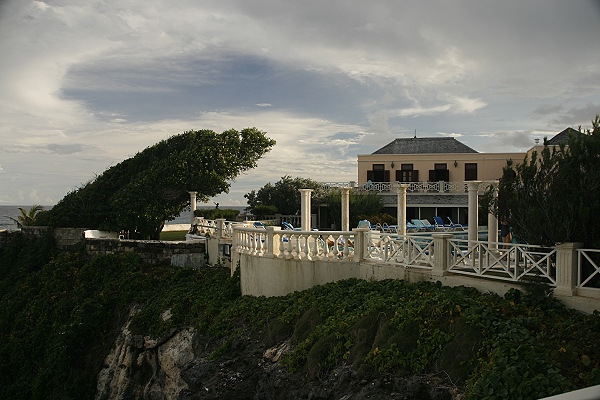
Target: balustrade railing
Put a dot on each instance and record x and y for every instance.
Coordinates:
(491, 260)
(299, 245)
(588, 273)
(210, 227)
(515, 263)
(413, 187)
(407, 251)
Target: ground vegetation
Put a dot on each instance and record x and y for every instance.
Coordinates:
(60, 314)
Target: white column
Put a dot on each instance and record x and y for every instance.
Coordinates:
(493, 225)
(345, 209)
(441, 249)
(192, 205)
(566, 269)
(305, 209)
(401, 204)
(473, 209)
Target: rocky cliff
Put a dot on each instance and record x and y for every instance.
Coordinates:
(179, 366)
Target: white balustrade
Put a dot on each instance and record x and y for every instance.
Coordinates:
(588, 270)
(516, 263)
(299, 245)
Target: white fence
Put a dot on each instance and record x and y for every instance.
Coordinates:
(574, 273)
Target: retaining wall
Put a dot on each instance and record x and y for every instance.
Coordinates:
(182, 254)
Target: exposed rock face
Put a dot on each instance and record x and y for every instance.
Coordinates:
(178, 367)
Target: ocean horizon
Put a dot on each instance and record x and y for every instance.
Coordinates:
(12, 211)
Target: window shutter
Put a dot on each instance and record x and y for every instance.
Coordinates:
(370, 176)
(415, 176)
(386, 175)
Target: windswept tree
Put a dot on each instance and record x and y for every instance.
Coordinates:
(140, 193)
(553, 197)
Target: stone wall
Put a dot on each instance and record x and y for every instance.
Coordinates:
(182, 254)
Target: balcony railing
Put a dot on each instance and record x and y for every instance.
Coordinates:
(413, 187)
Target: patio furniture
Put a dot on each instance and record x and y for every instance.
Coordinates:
(428, 225)
(456, 226)
(439, 224)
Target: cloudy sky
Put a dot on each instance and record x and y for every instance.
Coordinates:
(85, 84)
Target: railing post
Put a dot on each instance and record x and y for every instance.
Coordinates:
(566, 268)
(360, 243)
(441, 249)
(220, 228)
(272, 250)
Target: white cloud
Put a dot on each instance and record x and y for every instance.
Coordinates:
(85, 83)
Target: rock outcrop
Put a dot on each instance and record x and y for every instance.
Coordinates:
(179, 366)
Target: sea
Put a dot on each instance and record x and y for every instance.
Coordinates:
(8, 212)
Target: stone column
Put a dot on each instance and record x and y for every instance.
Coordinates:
(345, 209)
(401, 204)
(192, 205)
(441, 249)
(220, 228)
(566, 268)
(493, 225)
(473, 187)
(360, 243)
(305, 209)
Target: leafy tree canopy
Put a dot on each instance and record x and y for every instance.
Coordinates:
(552, 197)
(284, 195)
(140, 193)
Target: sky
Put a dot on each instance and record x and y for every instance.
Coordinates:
(86, 84)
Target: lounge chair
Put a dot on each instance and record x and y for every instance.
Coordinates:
(428, 225)
(411, 227)
(389, 228)
(419, 224)
(288, 227)
(439, 224)
(259, 224)
(456, 226)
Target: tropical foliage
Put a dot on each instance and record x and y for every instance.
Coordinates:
(28, 218)
(140, 193)
(552, 197)
(284, 195)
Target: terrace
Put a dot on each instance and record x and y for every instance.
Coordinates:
(275, 262)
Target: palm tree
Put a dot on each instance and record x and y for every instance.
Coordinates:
(27, 217)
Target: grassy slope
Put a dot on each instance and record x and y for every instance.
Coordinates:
(60, 312)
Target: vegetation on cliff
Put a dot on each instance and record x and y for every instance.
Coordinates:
(60, 313)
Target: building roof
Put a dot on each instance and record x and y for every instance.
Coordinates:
(562, 137)
(425, 146)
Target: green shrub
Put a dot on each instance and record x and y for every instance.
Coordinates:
(214, 213)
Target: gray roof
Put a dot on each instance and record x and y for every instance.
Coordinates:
(562, 137)
(425, 146)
